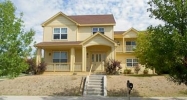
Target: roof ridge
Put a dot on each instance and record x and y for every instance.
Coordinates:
(90, 15)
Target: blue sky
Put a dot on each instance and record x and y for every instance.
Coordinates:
(127, 13)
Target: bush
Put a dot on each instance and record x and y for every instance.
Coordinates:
(112, 67)
(33, 69)
(32, 66)
(145, 71)
(136, 69)
(127, 71)
(41, 68)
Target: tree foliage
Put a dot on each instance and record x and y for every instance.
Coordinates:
(164, 47)
(14, 41)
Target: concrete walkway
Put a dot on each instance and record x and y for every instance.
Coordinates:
(86, 98)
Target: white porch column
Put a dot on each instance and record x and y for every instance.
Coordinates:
(115, 52)
(38, 56)
(72, 59)
(83, 58)
(123, 45)
(112, 53)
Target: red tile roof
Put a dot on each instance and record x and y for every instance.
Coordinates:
(57, 43)
(93, 19)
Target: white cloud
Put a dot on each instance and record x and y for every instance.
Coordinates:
(127, 13)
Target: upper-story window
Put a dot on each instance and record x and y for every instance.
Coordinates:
(130, 45)
(98, 29)
(60, 33)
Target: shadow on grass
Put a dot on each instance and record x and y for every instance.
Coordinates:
(144, 75)
(122, 93)
(69, 92)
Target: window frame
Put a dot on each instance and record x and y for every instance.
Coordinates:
(98, 30)
(60, 58)
(132, 62)
(60, 37)
(132, 46)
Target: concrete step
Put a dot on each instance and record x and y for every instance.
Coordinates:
(94, 93)
(94, 89)
(95, 78)
(95, 83)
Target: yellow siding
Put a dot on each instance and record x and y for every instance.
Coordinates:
(98, 40)
(48, 34)
(131, 34)
(78, 55)
(122, 58)
(86, 31)
(109, 31)
(48, 56)
(60, 21)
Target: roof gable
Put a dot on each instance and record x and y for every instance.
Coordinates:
(131, 33)
(99, 34)
(56, 15)
(131, 29)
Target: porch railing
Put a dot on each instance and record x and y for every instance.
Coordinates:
(130, 48)
(119, 48)
(58, 67)
(63, 66)
(78, 66)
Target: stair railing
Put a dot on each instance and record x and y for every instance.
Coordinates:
(90, 69)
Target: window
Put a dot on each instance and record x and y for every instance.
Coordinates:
(132, 62)
(60, 33)
(97, 29)
(60, 57)
(130, 45)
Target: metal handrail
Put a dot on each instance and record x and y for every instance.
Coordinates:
(90, 69)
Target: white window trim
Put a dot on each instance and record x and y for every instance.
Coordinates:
(98, 29)
(131, 62)
(60, 52)
(60, 33)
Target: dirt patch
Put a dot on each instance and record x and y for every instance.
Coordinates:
(42, 85)
(69, 85)
(145, 86)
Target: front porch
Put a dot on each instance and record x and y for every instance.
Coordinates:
(71, 59)
(77, 56)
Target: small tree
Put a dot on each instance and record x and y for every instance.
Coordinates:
(112, 66)
(14, 41)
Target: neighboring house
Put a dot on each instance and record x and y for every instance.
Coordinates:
(74, 43)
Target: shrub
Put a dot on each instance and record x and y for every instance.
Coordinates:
(145, 71)
(136, 69)
(32, 66)
(112, 67)
(41, 68)
(127, 71)
(33, 69)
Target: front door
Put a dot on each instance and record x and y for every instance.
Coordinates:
(97, 60)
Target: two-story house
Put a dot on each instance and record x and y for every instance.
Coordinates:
(74, 43)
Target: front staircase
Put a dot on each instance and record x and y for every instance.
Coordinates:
(95, 85)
